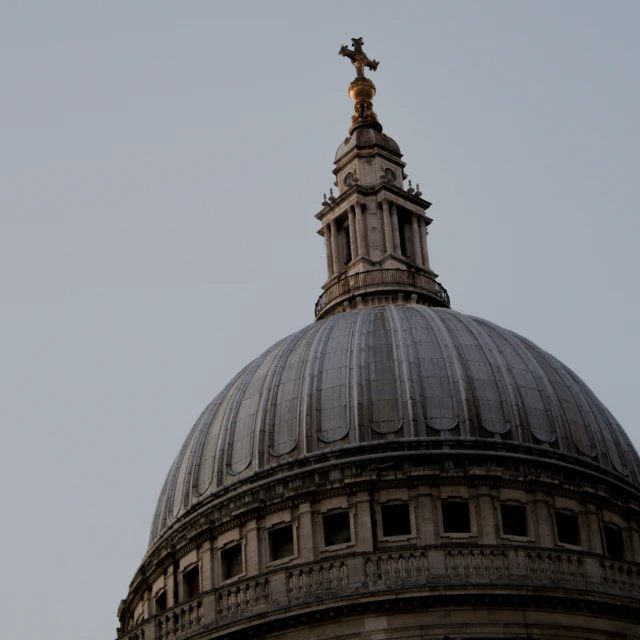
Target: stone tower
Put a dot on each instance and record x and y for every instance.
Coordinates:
(396, 469)
(375, 230)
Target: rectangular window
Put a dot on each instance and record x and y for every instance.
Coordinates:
(614, 542)
(337, 528)
(231, 560)
(191, 583)
(281, 543)
(161, 602)
(514, 520)
(568, 528)
(455, 517)
(396, 520)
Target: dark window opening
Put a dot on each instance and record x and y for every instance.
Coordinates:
(161, 602)
(568, 528)
(281, 543)
(402, 232)
(614, 542)
(514, 519)
(396, 520)
(337, 528)
(347, 246)
(191, 583)
(231, 559)
(455, 517)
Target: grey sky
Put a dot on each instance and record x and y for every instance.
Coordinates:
(161, 163)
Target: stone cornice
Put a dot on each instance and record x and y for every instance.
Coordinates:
(562, 477)
(343, 200)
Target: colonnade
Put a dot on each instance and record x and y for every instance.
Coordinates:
(390, 236)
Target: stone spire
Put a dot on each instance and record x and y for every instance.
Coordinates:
(375, 230)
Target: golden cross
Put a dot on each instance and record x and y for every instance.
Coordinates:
(358, 57)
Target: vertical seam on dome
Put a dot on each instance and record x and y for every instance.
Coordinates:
(272, 352)
(279, 366)
(611, 442)
(193, 461)
(551, 362)
(491, 356)
(403, 378)
(430, 325)
(358, 384)
(220, 398)
(466, 402)
(173, 479)
(502, 374)
(227, 427)
(318, 430)
(309, 415)
(417, 407)
(270, 383)
(547, 392)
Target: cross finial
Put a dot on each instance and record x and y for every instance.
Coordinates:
(358, 57)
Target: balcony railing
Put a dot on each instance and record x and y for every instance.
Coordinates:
(382, 277)
(411, 569)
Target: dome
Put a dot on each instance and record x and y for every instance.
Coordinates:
(393, 373)
(367, 137)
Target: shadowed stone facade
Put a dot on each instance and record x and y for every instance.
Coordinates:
(396, 469)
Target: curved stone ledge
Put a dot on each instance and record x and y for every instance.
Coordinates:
(351, 464)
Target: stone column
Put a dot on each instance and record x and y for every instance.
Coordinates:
(423, 242)
(634, 535)
(171, 582)
(395, 227)
(417, 245)
(306, 547)
(252, 548)
(595, 541)
(353, 233)
(206, 566)
(487, 524)
(360, 230)
(335, 249)
(327, 246)
(546, 526)
(388, 242)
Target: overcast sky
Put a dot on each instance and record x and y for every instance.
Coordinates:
(161, 163)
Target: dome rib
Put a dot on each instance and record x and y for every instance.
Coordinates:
(389, 373)
(536, 393)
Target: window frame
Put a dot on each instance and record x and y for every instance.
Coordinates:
(183, 573)
(581, 535)
(605, 549)
(343, 545)
(472, 519)
(380, 523)
(226, 547)
(267, 535)
(530, 516)
(161, 592)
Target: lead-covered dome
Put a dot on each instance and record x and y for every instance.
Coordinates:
(392, 373)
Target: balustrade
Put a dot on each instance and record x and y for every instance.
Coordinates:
(384, 277)
(177, 621)
(408, 568)
(240, 598)
(621, 575)
(327, 577)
